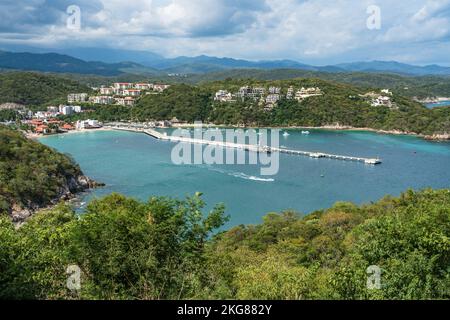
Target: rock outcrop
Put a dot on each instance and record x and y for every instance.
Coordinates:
(68, 191)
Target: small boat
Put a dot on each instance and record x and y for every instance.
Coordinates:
(286, 134)
(306, 132)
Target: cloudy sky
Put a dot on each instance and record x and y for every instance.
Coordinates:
(310, 31)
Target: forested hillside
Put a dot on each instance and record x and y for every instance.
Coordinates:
(166, 249)
(33, 176)
(36, 89)
(339, 104)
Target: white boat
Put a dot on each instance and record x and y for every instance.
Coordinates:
(306, 132)
(285, 134)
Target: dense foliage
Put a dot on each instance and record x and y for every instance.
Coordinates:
(35, 89)
(164, 249)
(409, 86)
(340, 104)
(31, 174)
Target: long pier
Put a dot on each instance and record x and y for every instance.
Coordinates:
(247, 147)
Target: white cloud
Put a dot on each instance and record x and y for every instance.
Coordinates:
(319, 31)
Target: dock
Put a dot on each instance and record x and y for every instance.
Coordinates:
(246, 147)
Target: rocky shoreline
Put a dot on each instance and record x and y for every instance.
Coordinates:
(69, 191)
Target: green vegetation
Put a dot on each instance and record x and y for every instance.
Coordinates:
(340, 103)
(35, 89)
(169, 249)
(31, 174)
(408, 86)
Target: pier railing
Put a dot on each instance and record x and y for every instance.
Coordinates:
(247, 147)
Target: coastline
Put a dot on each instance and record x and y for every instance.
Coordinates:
(35, 136)
(434, 137)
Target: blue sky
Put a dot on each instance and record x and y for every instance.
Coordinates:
(311, 31)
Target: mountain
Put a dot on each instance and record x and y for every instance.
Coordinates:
(394, 67)
(205, 64)
(35, 89)
(54, 62)
(151, 64)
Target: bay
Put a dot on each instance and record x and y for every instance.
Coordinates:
(136, 165)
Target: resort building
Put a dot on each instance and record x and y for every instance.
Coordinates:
(77, 97)
(305, 93)
(274, 90)
(102, 99)
(131, 92)
(88, 124)
(290, 93)
(123, 85)
(272, 98)
(160, 87)
(143, 86)
(107, 91)
(223, 96)
(382, 101)
(125, 101)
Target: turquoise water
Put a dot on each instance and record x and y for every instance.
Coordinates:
(137, 165)
(438, 104)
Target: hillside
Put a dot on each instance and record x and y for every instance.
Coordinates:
(418, 86)
(59, 63)
(340, 103)
(171, 249)
(36, 89)
(33, 176)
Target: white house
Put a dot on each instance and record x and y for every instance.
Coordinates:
(123, 85)
(125, 101)
(107, 91)
(160, 87)
(382, 101)
(102, 99)
(131, 92)
(143, 86)
(223, 96)
(77, 97)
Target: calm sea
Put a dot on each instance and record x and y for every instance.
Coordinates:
(139, 166)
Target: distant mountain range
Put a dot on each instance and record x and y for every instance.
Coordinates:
(114, 62)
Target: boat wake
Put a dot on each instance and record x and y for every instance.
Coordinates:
(242, 175)
(247, 177)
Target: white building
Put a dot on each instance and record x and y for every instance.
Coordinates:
(106, 91)
(304, 93)
(131, 92)
(382, 101)
(102, 99)
(123, 85)
(77, 97)
(67, 110)
(53, 109)
(87, 124)
(274, 90)
(160, 87)
(223, 96)
(272, 98)
(290, 93)
(143, 86)
(125, 101)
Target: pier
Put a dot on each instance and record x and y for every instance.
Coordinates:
(247, 147)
